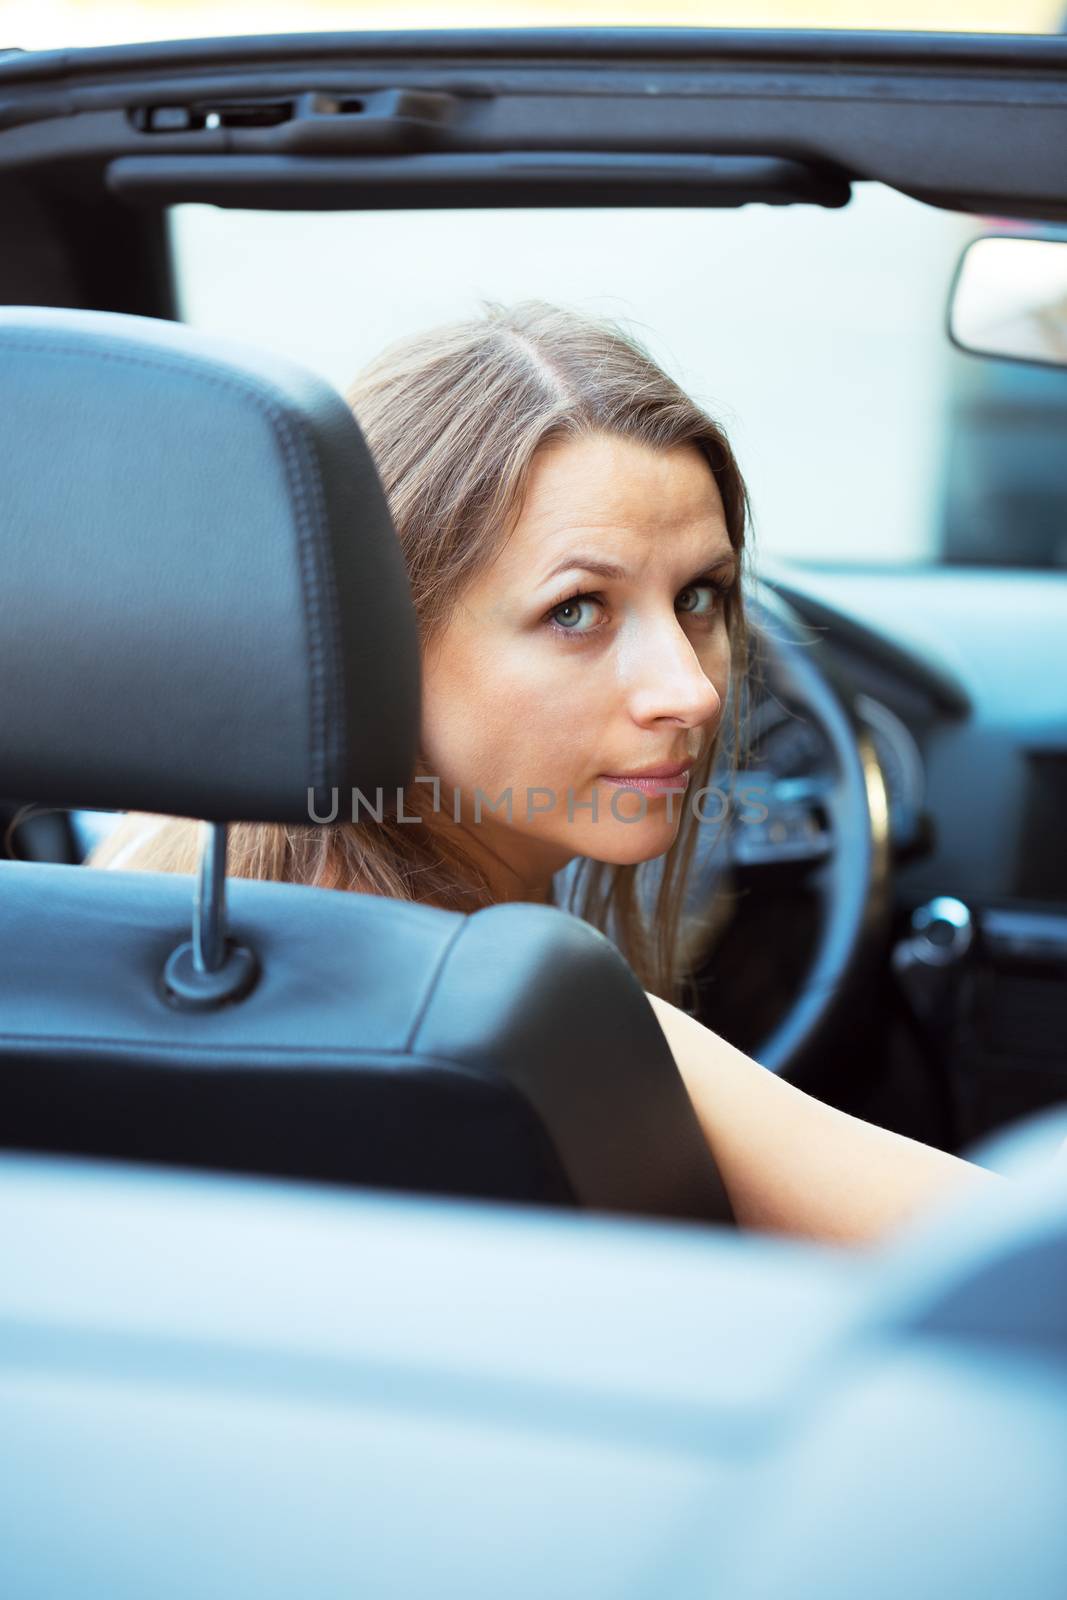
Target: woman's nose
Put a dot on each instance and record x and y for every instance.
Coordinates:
(669, 680)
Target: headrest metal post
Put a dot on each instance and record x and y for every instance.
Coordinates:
(210, 969)
(209, 908)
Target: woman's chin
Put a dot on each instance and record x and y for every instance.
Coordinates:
(622, 846)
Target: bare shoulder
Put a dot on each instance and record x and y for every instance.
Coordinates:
(697, 1048)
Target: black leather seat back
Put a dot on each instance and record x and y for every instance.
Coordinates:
(510, 1054)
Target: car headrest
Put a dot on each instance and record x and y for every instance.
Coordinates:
(206, 610)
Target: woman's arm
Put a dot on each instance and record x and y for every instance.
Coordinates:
(794, 1165)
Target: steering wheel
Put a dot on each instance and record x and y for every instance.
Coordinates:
(829, 830)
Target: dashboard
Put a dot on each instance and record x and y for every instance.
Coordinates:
(961, 676)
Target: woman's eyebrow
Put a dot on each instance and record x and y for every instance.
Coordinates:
(610, 570)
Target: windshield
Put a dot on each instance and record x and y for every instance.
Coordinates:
(816, 337)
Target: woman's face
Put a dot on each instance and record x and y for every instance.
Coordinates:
(551, 676)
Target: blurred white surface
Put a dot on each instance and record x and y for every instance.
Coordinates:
(815, 337)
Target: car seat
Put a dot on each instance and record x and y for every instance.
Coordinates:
(207, 614)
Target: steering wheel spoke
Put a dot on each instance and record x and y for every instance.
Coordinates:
(795, 830)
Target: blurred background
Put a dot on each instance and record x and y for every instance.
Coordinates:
(816, 337)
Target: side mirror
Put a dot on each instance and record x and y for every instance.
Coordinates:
(1009, 298)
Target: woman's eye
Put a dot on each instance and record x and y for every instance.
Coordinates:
(694, 588)
(568, 613)
(695, 600)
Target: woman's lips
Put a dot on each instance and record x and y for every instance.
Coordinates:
(648, 785)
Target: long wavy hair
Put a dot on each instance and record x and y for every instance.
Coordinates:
(453, 418)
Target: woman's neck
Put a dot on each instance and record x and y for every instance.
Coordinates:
(507, 885)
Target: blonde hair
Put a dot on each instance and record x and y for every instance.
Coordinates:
(453, 418)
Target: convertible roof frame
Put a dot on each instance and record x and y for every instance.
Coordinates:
(968, 122)
(94, 144)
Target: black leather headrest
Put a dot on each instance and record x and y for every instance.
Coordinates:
(205, 607)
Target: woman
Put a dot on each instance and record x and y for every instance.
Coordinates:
(574, 528)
